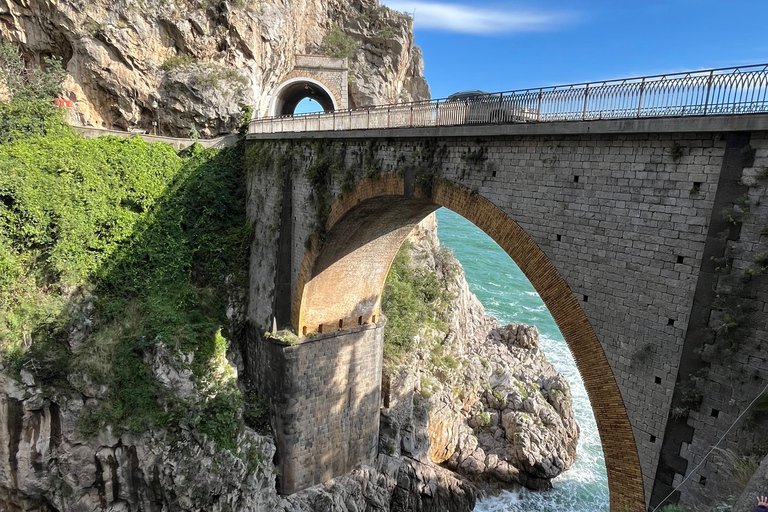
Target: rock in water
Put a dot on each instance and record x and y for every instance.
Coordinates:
(497, 412)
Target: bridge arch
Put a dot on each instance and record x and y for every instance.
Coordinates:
(339, 285)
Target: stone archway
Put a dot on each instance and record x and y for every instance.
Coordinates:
(323, 79)
(340, 285)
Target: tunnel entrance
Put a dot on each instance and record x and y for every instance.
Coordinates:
(288, 96)
(321, 78)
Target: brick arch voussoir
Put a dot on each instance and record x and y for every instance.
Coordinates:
(367, 188)
(625, 480)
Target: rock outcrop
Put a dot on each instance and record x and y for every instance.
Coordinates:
(756, 487)
(49, 464)
(480, 399)
(200, 60)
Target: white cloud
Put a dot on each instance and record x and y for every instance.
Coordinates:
(469, 19)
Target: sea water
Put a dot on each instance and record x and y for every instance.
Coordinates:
(508, 295)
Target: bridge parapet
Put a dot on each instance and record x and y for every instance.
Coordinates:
(741, 90)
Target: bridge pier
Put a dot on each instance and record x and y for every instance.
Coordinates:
(325, 394)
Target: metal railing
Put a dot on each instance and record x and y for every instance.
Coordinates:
(741, 90)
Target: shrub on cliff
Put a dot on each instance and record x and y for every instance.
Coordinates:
(28, 93)
(21, 81)
(338, 44)
(412, 299)
(109, 247)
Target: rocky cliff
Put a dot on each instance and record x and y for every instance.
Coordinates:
(201, 60)
(493, 408)
(471, 408)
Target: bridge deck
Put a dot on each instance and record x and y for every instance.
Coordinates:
(725, 91)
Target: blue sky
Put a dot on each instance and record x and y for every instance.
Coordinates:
(502, 45)
(507, 45)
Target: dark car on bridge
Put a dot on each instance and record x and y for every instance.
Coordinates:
(478, 107)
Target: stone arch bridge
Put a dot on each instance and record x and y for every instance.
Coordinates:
(615, 223)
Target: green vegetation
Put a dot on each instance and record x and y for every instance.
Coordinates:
(676, 151)
(691, 395)
(30, 110)
(286, 336)
(412, 299)
(338, 44)
(177, 61)
(154, 242)
(23, 83)
(214, 76)
(428, 386)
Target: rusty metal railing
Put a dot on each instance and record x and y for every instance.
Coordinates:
(740, 90)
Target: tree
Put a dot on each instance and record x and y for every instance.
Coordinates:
(19, 81)
(26, 96)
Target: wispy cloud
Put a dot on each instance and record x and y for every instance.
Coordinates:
(471, 19)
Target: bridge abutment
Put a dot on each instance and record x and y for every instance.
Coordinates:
(325, 394)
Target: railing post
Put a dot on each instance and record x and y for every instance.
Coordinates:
(709, 88)
(411, 115)
(334, 120)
(640, 100)
(586, 97)
(388, 113)
(538, 109)
(368, 119)
(437, 114)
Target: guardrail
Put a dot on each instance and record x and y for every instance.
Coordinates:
(740, 90)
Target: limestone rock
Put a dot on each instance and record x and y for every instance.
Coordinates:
(395, 484)
(48, 463)
(757, 486)
(497, 411)
(201, 60)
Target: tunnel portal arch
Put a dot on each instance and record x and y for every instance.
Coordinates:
(340, 284)
(292, 91)
(321, 78)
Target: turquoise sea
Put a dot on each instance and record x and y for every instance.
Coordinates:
(508, 295)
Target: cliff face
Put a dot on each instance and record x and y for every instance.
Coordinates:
(202, 59)
(49, 463)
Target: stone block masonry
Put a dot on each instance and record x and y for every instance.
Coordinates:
(609, 220)
(325, 404)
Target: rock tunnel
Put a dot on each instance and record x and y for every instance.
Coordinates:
(291, 92)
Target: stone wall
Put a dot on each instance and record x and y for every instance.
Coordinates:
(331, 71)
(325, 398)
(724, 379)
